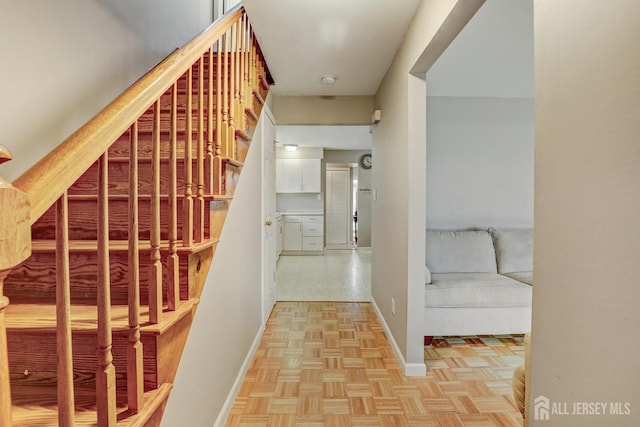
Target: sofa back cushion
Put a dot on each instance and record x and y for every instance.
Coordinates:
(460, 252)
(514, 249)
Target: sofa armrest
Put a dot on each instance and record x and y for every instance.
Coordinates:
(427, 275)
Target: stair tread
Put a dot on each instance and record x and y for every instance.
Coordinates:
(258, 97)
(38, 245)
(249, 112)
(42, 317)
(233, 162)
(37, 406)
(243, 135)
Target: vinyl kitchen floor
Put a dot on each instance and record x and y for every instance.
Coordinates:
(338, 275)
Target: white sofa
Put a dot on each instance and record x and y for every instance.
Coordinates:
(478, 282)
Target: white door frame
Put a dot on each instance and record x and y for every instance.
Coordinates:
(268, 213)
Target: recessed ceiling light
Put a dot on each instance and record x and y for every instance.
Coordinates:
(328, 79)
(290, 147)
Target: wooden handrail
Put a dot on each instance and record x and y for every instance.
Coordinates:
(45, 182)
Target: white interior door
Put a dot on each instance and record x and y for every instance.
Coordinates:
(268, 209)
(338, 208)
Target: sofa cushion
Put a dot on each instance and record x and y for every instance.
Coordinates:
(522, 276)
(476, 290)
(460, 252)
(514, 249)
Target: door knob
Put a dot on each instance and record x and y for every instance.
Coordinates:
(268, 223)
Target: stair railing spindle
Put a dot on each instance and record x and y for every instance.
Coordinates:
(105, 376)
(225, 95)
(217, 165)
(254, 68)
(243, 41)
(187, 204)
(155, 282)
(66, 405)
(231, 136)
(199, 208)
(236, 78)
(251, 65)
(135, 379)
(208, 170)
(246, 98)
(173, 262)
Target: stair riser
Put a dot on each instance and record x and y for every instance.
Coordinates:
(32, 353)
(146, 124)
(87, 184)
(120, 148)
(83, 220)
(34, 281)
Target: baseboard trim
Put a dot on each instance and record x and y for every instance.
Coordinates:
(233, 393)
(409, 369)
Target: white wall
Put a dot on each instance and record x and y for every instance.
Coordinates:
(480, 159)
(339, 137)
(228, 319)
(63, 61)
(400, 209)
(586, 326)
(491, 57)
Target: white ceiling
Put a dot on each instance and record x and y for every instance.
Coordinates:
(354, 40)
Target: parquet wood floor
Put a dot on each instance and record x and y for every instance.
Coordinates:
(330, 364)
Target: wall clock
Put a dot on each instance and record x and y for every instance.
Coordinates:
(365, 161)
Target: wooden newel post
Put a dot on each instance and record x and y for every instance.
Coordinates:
(15, 247)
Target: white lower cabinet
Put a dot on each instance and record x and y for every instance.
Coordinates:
(311, 243)
(292, 236)
(303, 233)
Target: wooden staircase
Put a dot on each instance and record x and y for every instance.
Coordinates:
(107, 242)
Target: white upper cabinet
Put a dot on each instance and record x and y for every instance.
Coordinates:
(298, 176)
(291, 175)
(311, 175)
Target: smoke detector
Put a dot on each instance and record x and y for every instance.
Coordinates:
(328, 79)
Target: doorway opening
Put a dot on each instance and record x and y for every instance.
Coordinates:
(341, 186)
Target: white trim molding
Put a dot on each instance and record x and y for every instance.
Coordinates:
(409, 369)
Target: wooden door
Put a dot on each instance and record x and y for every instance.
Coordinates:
(338, 208)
